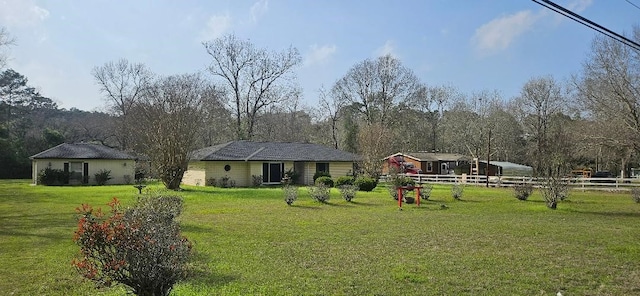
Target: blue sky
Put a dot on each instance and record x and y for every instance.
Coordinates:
(473, 45)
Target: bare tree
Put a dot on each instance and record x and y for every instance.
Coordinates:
(167, 116)
(375, 141)
(5, 42)
(122, 84)
(432, 103)
(331, 109)
(377, 87)
(289, 122)
(541, 99)
(609, 92)
(215, 126)
(253, 78)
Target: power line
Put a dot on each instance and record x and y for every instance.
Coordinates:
(634, 5)
(588, 23)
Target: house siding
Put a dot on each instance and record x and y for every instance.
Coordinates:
(239, 170)
(339, 169)
(122, 171)
(242, 172)
(195, 174)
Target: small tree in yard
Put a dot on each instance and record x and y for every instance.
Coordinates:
(290, 193)
(140, 247)
(348, 192)
(522, 191)
(457, 190)
(320, 192)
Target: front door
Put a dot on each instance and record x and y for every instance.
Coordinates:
(275, 174)
(272, 172)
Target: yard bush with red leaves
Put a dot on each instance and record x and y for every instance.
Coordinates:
(140, 247)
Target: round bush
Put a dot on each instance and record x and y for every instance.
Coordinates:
(365, 183)
(344, 180)
(325, 180)
(404, 181)
(320, 174)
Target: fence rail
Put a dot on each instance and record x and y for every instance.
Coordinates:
(579, 183)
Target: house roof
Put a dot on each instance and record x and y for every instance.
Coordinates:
(82, 151)
(508, 165)
(272, 151)
(431, 156)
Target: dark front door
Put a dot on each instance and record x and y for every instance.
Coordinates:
(275, 174)
(85, 173)
(272, 172)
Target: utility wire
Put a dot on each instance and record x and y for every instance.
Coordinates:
(574, 16)
(636, 6)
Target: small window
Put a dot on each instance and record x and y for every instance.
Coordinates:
(227, 168)
(322, 167)
(429, 166)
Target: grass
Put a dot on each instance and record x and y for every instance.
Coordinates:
(249, 242)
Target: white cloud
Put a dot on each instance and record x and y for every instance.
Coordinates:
(388, 48)
(258, 9)
(21, 13)
(579, 5)
(217, 25)
(499, 33)
(319, 55)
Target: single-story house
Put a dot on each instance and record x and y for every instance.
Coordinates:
(83, 161)
(242, 162)
(502, 168)
(431, 163)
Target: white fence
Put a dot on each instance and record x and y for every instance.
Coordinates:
(580, 183)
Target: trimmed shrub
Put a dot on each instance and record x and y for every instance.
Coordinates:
(522, 191)
(365, 183)
(211, 182)
(457, 190)
(256, 180)
(140, 247)
(635, 194)
(320, 174)
(325, 180)
(103, 176)
(50, 176)
(290, 193)
(345, 180)
(348, 192)
(425, 192)
(555, 189)
(403, 181)
(320, 192)
(226, 182)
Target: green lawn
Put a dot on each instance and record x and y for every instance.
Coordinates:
(249, 242)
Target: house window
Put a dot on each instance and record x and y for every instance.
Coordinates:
(272, 172)
(429, 166)
(322, 167)
(75, 170)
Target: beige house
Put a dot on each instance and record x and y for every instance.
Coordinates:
(242, 162)
(83, 161)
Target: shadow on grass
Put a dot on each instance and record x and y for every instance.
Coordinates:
(201, 274)
(305, 207)
(606, 214)
(357, 203)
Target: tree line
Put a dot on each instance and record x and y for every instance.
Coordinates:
(378, 107)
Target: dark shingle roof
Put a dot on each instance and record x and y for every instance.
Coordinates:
(82, 151)
(272, 151)
(433, 156)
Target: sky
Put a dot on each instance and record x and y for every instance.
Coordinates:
(473, 45)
